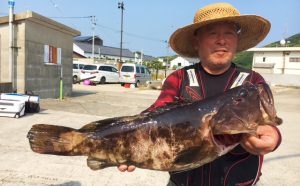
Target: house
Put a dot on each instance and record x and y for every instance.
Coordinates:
(83, 46)
(279, 65)
(180, 62)
(89, 40)
(140, 57)
(42, 55)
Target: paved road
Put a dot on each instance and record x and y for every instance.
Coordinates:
(20, 166)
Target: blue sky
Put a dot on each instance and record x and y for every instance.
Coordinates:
(149, 23)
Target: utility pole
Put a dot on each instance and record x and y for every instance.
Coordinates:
(167, 58)
(121, 6)
(142, 57)
(11, 5)
(93, 20)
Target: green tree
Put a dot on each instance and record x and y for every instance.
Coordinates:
(244, 59)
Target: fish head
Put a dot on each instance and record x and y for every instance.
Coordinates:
(245, 108)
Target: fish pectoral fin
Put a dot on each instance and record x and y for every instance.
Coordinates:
(187, 156)
(97, 164)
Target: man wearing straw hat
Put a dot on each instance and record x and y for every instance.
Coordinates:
(217, 34)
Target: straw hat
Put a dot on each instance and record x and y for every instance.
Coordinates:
(253, 28)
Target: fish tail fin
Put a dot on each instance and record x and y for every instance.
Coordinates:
(58, 140)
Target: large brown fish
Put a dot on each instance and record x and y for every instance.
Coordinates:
(176, 137)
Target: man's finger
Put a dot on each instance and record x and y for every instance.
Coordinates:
(130, 168)
(122, 168)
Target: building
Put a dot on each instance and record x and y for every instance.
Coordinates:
(89, 40)
(139, 57)
(279, 65)
(42, 55)
(180, 62)
(83, 45)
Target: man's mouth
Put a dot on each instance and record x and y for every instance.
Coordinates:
(221, 50)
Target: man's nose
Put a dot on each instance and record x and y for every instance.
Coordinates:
(221, 39)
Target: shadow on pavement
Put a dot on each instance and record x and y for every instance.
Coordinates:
(79, 93)
(70, 183)
(282, 157)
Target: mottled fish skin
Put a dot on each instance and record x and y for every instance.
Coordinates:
(172, 138)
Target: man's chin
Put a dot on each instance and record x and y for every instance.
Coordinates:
(219, 67)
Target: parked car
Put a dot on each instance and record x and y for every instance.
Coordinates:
(77, 66)
(134, 74)
(103, 73)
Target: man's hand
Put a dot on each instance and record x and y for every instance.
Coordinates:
(265, 141)
(124, 168)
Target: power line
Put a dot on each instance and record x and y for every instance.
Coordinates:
(56, 6)
(82, 17)
(113, 29)
(59, 10)
(145, 37)
(134, 35)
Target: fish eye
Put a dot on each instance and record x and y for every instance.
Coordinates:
(243, 93)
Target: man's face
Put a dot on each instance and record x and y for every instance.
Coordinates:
(216, 46)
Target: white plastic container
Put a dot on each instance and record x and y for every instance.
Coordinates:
(20, 97)
(12, 108)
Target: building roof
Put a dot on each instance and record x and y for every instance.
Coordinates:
(190, 60)
(274, 49)
(35, 17)
(104, 50)
(89, 39)
(148, 58)
(83, 38)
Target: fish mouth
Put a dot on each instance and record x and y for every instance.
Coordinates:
(227, 140)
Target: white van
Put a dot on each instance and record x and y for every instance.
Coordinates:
(77, 66)
(134, 74)
(103, 73)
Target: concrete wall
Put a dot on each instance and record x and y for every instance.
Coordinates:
(32, 32)
(42, 77)
(4, 53)
(282, 79)
(19, 55)
(281, 59)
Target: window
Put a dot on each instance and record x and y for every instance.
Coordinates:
(148, 71)
(90, 67)
(127, 69)
(101, 68)
(294, 59)
(143, 70)
(264, 59)
(81, 66)
(75, 66)
(108, 69)
(179, 64)
(52, 55)
(114, 69)
(138, 70)
(105, 68)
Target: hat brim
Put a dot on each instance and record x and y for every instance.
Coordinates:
(253, 30)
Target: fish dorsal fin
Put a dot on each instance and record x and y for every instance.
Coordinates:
(104, 124)
(169, 105)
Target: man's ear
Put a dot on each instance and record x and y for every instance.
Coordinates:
(195, 43)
